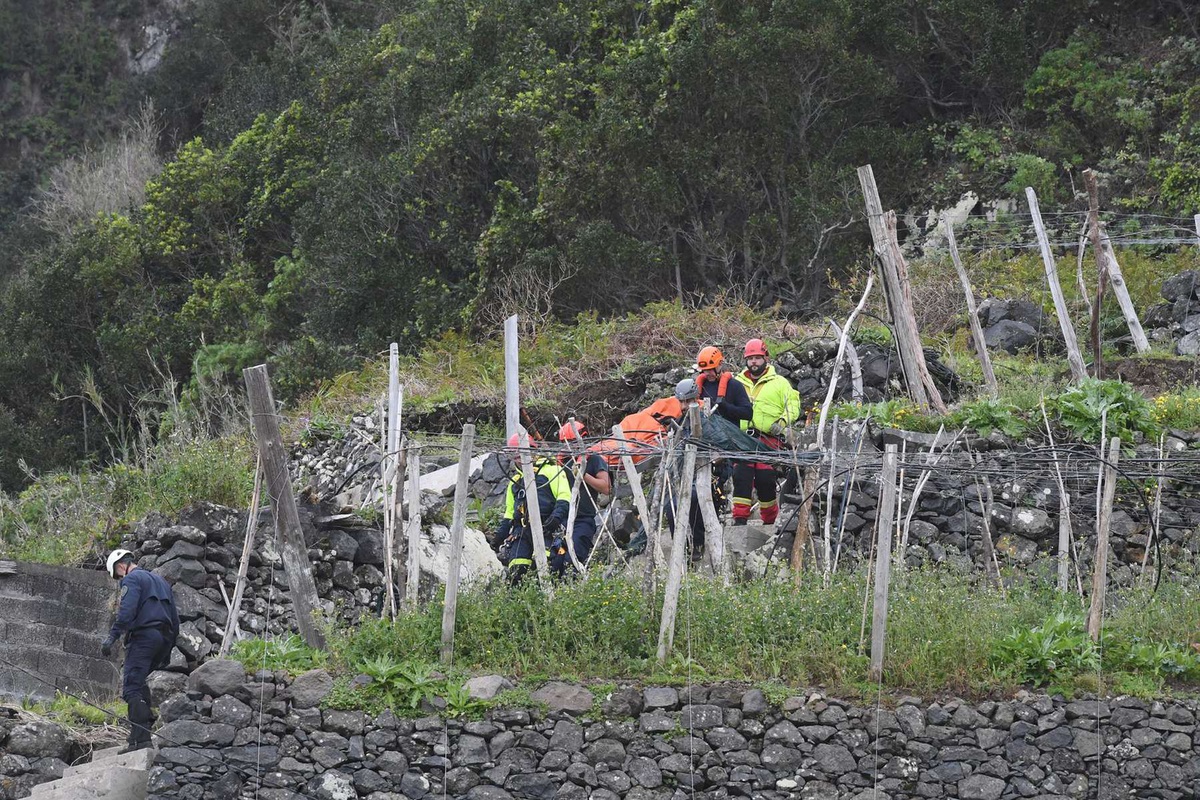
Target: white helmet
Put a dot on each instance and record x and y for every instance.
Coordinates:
(114, 558)
(685, 390)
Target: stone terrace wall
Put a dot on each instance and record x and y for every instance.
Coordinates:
(51, 622)
(660, 743)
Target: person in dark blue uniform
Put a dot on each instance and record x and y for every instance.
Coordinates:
(149, 621)
(596, 481)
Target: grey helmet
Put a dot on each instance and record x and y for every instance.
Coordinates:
(686, 390)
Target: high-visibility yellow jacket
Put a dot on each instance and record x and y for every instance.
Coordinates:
(553, 496)
(774, 399)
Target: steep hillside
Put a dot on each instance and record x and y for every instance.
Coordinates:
(342, 174)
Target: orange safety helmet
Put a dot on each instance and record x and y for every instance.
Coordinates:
(709, 358)
(571, 430)
(756, 347)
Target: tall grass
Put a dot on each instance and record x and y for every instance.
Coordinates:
(65, 517)
(942, 630)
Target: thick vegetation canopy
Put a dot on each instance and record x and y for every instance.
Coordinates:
(343, 173)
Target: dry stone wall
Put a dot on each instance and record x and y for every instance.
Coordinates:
(267, 736)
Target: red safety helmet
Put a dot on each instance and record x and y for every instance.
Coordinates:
(514, 441)
(709, 358)
(756, 347)
(571, 430)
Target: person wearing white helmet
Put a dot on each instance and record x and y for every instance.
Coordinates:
(149, 622)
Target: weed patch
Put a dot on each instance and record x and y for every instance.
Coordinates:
(288, 654)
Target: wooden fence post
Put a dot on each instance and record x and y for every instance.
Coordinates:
(534, 511)
(412, 582)
(1100, 565)
(399, 544)
(1074, 358)
(1106, 262)
(458, 523)
(683, 528)
(883, 561)
(296, 566)
(512, 381)
(390, 469)
(985, 359)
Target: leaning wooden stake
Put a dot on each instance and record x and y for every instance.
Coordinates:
(239, 587)
(683, 511)
(296, 566)
(1100, 567)
(635, 484)
(852, 359)
(992, 564)
(534, 511)
(412, 581)
(837, 361)
(985, 359)
(1158, 493)
(895, 279)
(827, 554)
(1074, 358)
(713, 530)
(1064, 512)
(803, 525)
(458, 525)
(1107, 263)
(915, 352)
(931, 461)
(653, 526)
(883, 561)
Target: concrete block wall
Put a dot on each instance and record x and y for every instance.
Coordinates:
(52, 620)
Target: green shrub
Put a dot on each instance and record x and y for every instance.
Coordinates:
(1054, 651)
(991, 414)
(1081, 410)
(1136, 649)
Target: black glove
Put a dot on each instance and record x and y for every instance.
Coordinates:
(107, 645)
(553, 525)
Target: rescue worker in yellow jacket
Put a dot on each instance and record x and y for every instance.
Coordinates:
(514, 536)
(776, 406)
